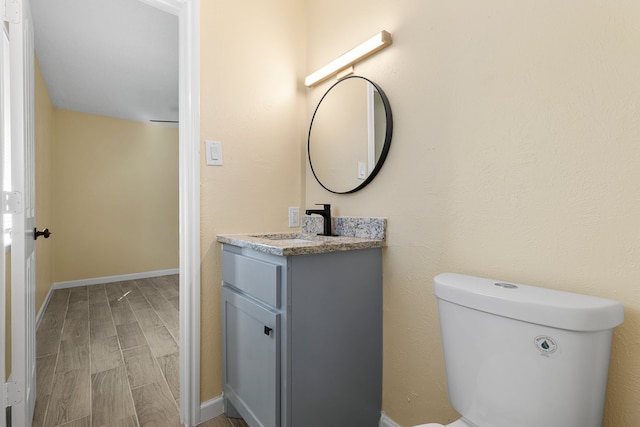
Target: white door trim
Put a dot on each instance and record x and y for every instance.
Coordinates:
(188, 13)
(3, 302)
(189, 150)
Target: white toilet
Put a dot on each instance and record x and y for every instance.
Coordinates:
(523, 356)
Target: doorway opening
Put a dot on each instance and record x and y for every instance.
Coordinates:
(189, 281)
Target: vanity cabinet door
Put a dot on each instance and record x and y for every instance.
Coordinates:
(251, 359)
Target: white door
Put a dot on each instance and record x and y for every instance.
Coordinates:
(23, 313)
(4, 128)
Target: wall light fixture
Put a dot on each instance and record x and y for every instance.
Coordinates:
(371, 46)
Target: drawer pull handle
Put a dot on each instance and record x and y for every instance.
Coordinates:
(267, 330)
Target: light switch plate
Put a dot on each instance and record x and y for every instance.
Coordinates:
(214, 153)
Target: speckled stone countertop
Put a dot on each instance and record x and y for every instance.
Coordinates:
(354, 233)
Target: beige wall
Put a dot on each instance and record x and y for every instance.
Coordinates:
(515, 156)
(252, 100)
(116, 196)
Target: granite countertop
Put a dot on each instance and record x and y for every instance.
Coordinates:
(286, 244)
(353, 233)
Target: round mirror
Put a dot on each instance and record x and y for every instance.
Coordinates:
(349, 135)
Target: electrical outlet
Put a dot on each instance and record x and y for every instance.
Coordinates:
(362, 170)
(294, 217)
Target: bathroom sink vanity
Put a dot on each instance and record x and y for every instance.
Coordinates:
(302, 330)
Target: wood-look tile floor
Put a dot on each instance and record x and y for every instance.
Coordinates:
(107, 355)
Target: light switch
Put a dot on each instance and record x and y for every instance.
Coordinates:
(213, 153)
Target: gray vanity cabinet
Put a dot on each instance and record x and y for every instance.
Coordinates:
(302, 337)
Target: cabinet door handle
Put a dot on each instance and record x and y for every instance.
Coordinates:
(267, 330)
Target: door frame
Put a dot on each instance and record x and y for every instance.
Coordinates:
(3, 301)
(188, 13)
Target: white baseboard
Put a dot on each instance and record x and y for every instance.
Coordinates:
(110, 279)
(43, 307)
(211, 408)
(387, 422)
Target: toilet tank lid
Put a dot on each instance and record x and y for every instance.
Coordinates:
(548, 307)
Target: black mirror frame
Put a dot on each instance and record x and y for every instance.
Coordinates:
(385, 147)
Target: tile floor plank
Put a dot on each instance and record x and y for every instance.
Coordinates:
(79, 311)
(114, 291)
(75, 329)
(131, 287)
(165, 287)
(157, 300)
(121, 312)
(237, 422)
(97, 294)
(155, 406)
(167, 313)
(224, 421)
(105, 354)
(138, 303)
(69, 397)
(82, 422)
(59, 296)
(131, 421)
(130, 335)
(48, 334)
(146, 287)
(141, 367)
(175, 302)
(78, 295)
(100, 321)
(174, 279)
(45, 369)
(170, 367)
(220, 421)
(73, 355)
(148, 319)
(40, 411)
(160, 341)
(110, 397)
(175, 333)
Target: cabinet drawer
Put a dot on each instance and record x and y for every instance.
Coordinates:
(257, 278)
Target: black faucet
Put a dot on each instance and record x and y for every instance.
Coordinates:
(326, 215)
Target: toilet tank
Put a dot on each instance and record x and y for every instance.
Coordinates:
(524, 356)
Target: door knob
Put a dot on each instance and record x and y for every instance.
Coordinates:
(46, 233)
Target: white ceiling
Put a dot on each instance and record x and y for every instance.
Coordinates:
(116, 58)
